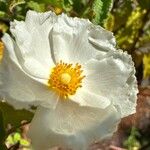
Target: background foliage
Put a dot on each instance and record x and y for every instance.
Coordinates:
(129, 20)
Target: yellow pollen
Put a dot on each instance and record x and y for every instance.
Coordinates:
(66, 78)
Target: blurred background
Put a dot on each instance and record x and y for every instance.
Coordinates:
(129, 20)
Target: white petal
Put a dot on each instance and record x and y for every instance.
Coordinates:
(32, 37)
(113, 77)
(102, 39)
(30, 65)
(34, 19)
(9, 48)
(36, 69)
(71, 40)
(86, 98)
(22, 91)
(70, 125)
(51, 99)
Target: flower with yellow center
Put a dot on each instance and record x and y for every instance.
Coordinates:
(66, 79)
(72, 71)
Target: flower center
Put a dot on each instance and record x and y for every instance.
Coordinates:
(66, 78)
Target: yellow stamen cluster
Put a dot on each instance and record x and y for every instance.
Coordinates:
(66, 78)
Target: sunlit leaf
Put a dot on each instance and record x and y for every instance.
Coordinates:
(67, 5)
(3, 28)
(15, 138)
(39, 7)
(146, 62)
(121, 12)
(129, 34)
(24, 142)
(101, 9)
(132, 142)
(109, 23)
(51, 2)
(2, 14)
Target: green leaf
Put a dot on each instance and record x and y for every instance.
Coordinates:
(2, 14)
(77, 6)
(146, 63)
(39, 7)
(100, 9)
(14, 3)
(24, 142)
(13, 116)
(132, 140)
(3, 6)
(67, 5)
(3, 29)
(17, 137)
(57, 3)
(128, 35)
(121, 13)
(109, 22)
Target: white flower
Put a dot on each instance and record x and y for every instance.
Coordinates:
(70, 68)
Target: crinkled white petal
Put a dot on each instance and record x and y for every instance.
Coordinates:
(32, 40)
(113, 77)
(102, 39)
(9, 48)
(72, 126)
(87, 98)
(78, 40)
(22, 91)
(36, 70)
